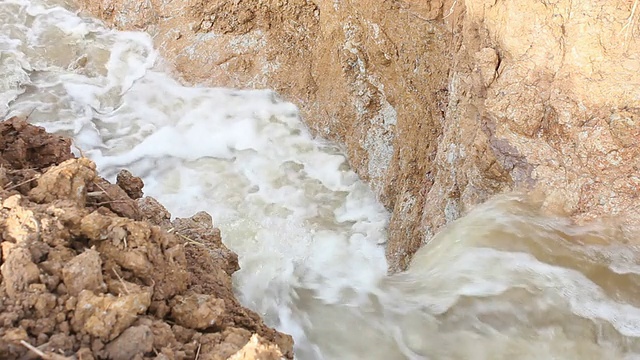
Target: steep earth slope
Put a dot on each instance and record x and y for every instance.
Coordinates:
(93, 270)
(439, 104)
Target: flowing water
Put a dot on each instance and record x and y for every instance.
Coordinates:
(504, 282)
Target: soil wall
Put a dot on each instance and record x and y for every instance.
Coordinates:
(439, 104)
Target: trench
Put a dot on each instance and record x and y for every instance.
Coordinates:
(503, 282)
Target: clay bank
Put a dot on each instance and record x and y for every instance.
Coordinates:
(438, 104)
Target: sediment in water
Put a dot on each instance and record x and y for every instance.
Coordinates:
(94, 270)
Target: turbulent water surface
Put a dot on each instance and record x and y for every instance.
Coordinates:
(501, 283)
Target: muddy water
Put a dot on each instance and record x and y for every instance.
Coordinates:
(504, 282)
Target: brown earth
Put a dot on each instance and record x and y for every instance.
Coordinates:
(93, 270)
(440, 104)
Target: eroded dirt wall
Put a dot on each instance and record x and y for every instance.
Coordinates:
(439, 104)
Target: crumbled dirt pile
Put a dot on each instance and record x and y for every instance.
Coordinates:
(93, 270)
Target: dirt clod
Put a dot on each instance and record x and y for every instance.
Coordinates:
(68, 181)
(134, 340)
(132, 185)
(25, 146)
(254, 349)
(89, 270)
(84, 272)
(197, 311)
(18, 271)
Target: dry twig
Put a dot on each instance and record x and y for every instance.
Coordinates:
(45, 355)
(121, 281)
(189, 240)
(103, 190)
(36, 177)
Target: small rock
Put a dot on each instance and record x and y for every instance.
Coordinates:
(15, 335)
(45, 303)
(154, 212)
(132, 185)
(136, 340)
(12, 202)
(257, 349)
(98, 227)
(59, 342)
(84, 272)
(20, 225)
(107, 316)
(162, 335)
(67, 181)
(200, 228)
(197, 311)
(18, 271)
(116, 199)
(26, 146)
